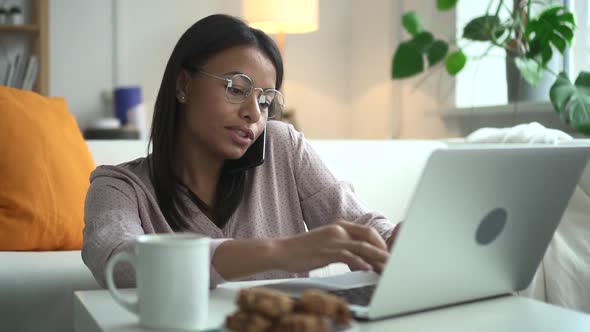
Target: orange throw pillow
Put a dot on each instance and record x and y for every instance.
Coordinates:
(44, 169)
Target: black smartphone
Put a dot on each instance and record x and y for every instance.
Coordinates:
(253, 157)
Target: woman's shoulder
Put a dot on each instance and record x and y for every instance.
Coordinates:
(282, 133)
(136, 170)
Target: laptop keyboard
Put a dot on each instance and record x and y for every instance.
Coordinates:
(360, 296)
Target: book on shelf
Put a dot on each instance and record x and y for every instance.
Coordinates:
(22, 72)
(30, 73)
(12, 72)
(18, 71)
(9, 74)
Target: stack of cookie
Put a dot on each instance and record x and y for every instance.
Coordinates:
(264, 309)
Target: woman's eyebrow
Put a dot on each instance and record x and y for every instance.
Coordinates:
(233, 73)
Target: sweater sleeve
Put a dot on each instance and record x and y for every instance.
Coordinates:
(325, 199)
(112, 223)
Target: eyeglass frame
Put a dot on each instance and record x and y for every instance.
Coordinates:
(229, 82)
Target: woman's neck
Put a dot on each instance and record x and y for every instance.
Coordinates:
(198, 170)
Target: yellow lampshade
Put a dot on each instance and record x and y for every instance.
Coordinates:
(282, 16)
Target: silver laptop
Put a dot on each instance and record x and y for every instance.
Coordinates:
(478, 226)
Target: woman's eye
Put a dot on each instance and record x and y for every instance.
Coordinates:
(264, 102)
(236, 91)
(264, 105)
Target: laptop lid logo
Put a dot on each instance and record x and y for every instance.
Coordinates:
(491, 226)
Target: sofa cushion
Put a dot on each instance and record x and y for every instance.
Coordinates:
(45, 168)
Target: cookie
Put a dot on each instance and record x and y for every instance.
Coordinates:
(300, 322)
(267, 302)
(321, 303)
(247, 322)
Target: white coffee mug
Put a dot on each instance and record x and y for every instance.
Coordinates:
(172, 272)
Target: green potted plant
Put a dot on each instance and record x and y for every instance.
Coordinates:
(530, 41)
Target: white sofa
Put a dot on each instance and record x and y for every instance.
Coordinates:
(36, 288)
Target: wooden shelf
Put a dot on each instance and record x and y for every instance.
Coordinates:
(25, 28)
(35, 34)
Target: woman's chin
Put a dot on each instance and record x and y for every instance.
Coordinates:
(235, 153)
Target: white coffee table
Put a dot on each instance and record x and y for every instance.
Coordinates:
(96, 311)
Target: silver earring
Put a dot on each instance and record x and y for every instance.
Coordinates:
(182, 98)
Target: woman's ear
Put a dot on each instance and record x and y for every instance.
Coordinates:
(182, 86)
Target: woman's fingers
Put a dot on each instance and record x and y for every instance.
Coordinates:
(391, 240)
(353, 261)
(370, 254)
(379, 267)
(362, 241)
(363, 233)
(360, 247)
(366, 251)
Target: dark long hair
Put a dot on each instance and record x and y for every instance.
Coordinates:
(206, 38)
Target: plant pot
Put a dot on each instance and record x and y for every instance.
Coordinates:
(16, 19)
(520, 90)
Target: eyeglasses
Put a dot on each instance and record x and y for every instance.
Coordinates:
(239, 87)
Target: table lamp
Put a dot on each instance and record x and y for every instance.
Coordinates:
(281, 17)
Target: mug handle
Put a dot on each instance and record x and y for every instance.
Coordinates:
(122, 256)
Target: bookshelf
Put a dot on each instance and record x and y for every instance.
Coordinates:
(35, 32)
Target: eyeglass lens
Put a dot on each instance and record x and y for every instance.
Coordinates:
(240, 87)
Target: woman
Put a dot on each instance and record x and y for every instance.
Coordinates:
(219, 168)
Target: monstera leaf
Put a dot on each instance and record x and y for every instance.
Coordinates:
(484, 28)
(553, 28)
(531, 70)
(572, 101)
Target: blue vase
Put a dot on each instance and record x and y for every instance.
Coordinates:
(125, 99)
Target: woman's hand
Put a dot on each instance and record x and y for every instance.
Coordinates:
(358, 246)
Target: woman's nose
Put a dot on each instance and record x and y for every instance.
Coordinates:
(250, 109)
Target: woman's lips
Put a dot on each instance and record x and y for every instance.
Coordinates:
(241, 136)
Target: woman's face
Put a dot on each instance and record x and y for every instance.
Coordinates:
(211, 123)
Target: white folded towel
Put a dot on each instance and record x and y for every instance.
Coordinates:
(531, 133)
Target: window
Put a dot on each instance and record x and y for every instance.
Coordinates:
(483, 80)
(580, 54)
